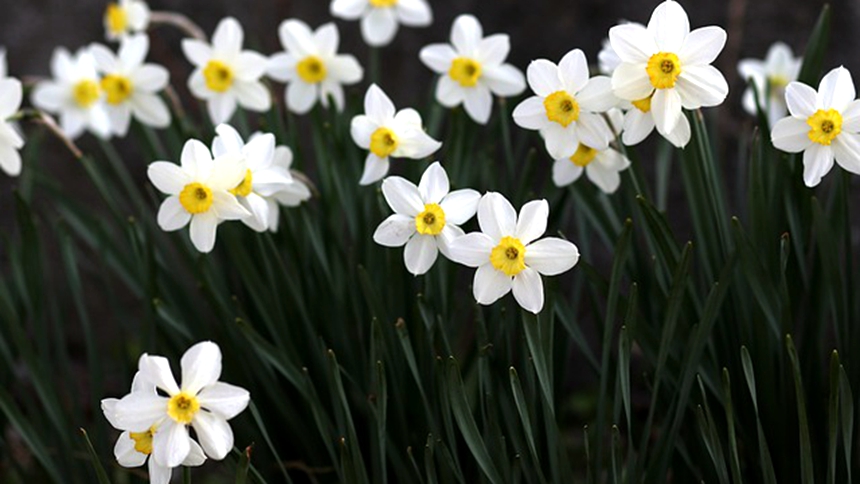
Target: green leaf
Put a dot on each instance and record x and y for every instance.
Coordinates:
(94, 458)
(807, 475)
(816, 49)
(846, 404)
(730, 421)
(833, 417)
(244, 466)
(525, 419)
(768, 474)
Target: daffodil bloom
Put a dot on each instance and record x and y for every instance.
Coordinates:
(75, 94)
(125, 17)
(225, 75)
(387, 133)
(770, 78)
(472, 69)
(201, 401)
(134, 449)
(666, 67)
(292, 195)
(823, 124)
(426, 218)
(11, 141)
(200, 192)
(602, 167)
(507, 254)
(130, 86)
(311, 66)
(380, 18)
(567, 106)
(262, 177)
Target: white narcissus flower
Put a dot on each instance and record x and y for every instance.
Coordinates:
(291, 195)
(262, 178)
(823, 124)
(472, 69)
(226, 75)
(311, 66)
(567, 105)
(426, 218)
(770, 77)
(11, 141)
(130, 86)
(668, 67)
(199, 192)
(133, 449)
(380, 18)
(75, 94)
(125, 17)
(201, 401)
(387, 133)
(601, 166)
(507, 254)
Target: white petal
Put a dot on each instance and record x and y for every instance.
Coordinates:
(150, 78)
(49, 96)
(531, 113)
(408, 117)
(493, 49)
(564, 172)
(449, 234)
(375, 168)
(466, 34)
(297, 38)
(472, 250)
(150, 110)
(531, 223)
(402, 196)
(345, 69)
(802, 100)
(504, 80)
(133, 50)
(221, 107)
(225, 206)
(224, 400)
(560, 141)
(415, 143)
(10, 161)
(551, 256)
(449, 92)
(198, 53)
(253, 96)
(395, 230)
(106, 61)
(201, 366)
(702, 46)
(172, 215)
(250, 66)
(282, 67)
(204, 226)
(195, 457)
(438, 57)
(156, 369)
(137, 412)
(159, 474)
(496, 216)
(791, 135)
(701, 86)
(379, 27)
(666, 109)
(434, 183)
(125, 453)
(528, 290)
(606, 178)
(632, 43)
(637, 127)
(851, 117)
(669, 25)
(420, 254)
(631, 82)
(170, 443)
(479, 104)
(596, 95)
(836, 89)
(490, 284)
(259, 212)
(327, 38)
(362, 128)
(460, 205)
(573, 70)
(679, 136)
(214, 434)
(846, 148)
(415, 13)
(228, 37)
(301, 96)
(544, 78)
(168, 177)
(817, 162)
(593, 131)
(348, 9)
(378, 106)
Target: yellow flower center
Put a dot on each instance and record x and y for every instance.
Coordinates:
(218, 76)
(583, 156)
(383, 3)
(196, 198)
(143, 440)
(561, 108)
(465, 71)
(644, 104)
(431, 221)
(825, 126)
(243, 189)
(663, 70)
(312, 69)
(118, 88)
(116, 19)
(383, 142)
(509, 256)
(182, 407)
(86, 93)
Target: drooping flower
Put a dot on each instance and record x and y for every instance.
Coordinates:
(125, 17)
(507, 254)
(472, 69)
(291, 195)
(567, 106)
(311, 66)
(11, 141)
(602, 167)
(201, 401)
(225, 75)
(75, 94)
(380, 18)
(387, 133)
(823, 124)
(426, 218)
(199, 192)
(770, 77)
(668, 67)
(130, 86)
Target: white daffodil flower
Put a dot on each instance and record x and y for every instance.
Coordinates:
(125, 17)
(387, 133)
(262, 177)
(507, 254)
(567, 105)
(199, 192)
(291, 195)
(823, 124)
(472, 69)
(133, 449)
(311, 66)
(130, 86)
(11, 141)
(770, 77)
(226, 75)
(639, 123)
(381, 18)
(426, 218)
(602, 167)
(666, 67)
(201, 401)
(75, 94)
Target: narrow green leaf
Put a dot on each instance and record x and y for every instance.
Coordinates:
(244, 466)
(525, 419)
(846, 404)
(94, 459)
(730, 421)
(833, 417)
(768, 473)
(807, 475)
(816, 49)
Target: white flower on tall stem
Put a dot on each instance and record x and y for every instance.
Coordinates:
(507, 254)
(11, 141)
(311, 66)
(426, 218)
(823, 124)
(567, 106)
(668, 67)
(201, 401)
(199, 192)
(380, 18)
(770, 77)
(472, 69)
(387, 133)
(74, 94)
(125, 17)
(291, 195)
(130, 86)
(601, 166)
(225, 75)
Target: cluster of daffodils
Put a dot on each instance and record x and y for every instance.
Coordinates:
(154, 417)
(11, 141)
(769, 78)
(126, 17)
